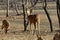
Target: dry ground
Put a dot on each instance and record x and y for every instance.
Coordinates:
(16, 27)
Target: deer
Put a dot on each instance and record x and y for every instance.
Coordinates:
(5, 25)
(33, 19)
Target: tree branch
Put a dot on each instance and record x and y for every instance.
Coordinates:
(33, 4)
(48, 16)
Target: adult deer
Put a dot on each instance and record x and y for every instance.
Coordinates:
(33, 19)
(5, 25)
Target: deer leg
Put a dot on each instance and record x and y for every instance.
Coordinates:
(34, 27)
(5, 30)
(37, 25)
(2, 27)
(30, 27)
(27, 23)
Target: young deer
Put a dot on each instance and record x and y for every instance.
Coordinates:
(33, 19)
(5, 25)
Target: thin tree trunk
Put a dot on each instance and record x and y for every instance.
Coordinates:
(58, 13)
(7, 8)
(24, 16)
(48, 16)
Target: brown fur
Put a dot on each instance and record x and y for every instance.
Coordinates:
(5, 25)
(56, 36)
(33, 19)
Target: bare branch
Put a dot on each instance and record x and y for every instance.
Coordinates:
(48, 15)
(33, 3)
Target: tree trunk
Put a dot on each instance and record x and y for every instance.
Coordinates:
(58, 12)
(48, 16)
(24, 16)
(7, 8)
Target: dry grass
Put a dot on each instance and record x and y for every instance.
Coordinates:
(16, 27)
